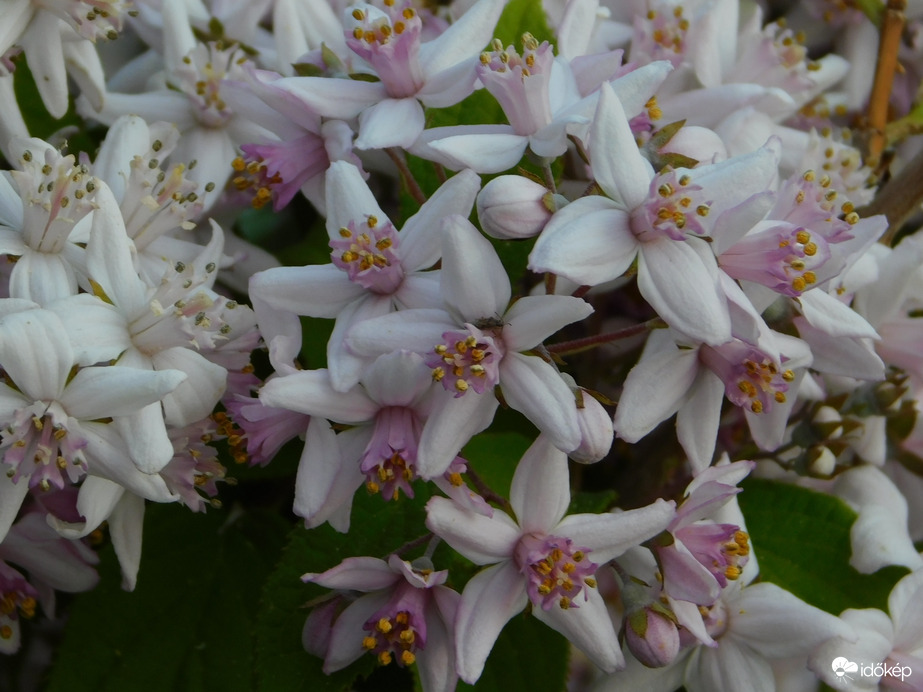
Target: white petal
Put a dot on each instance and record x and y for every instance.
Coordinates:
(36, 353)
(345, 366)
(697, 420)
(355, 574)
(111, 390)
(485, 149)
(451, 423)
(589, 627)
(618, 166)
(414, 330)
(11, 497)
(310, 392)
(146, 435)
(390, 123)
(610, 535)
(419, 246)
(463, 40)
(126, 524)
(316, 291)
(654, 390)
(483, 540)
(488, 602)
(679, 280)
(474, 282)
(540, 493)
(532, 319)
(196, 396)
(777, 624)
(536, 389)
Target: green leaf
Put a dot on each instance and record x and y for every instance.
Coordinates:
(873, 9)
(377, 528)
(189, 624)
(801, 539)
(528, 655)
(520, 17)
(494, 456)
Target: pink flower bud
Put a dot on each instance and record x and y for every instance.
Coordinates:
(652, 637)
(512, 207)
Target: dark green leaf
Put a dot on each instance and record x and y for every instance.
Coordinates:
(189, 624)
(801, 539)
(494, 456)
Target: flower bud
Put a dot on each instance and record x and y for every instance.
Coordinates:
(512, 207)
(697, 143)
(822, 462)
(651, 637)
(596, 430)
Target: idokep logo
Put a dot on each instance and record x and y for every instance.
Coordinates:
(844, 669)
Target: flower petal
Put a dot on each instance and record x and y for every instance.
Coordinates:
(489, 600)
(532, 319)
(481, 539)
(610, 535)
(589, 628)
(540, 493)
(474, 283)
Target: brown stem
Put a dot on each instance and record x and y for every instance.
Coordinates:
(548, 175)
(412, 186)
(891, 28)
(566, 348)
(486, 492)
(550, 281)
(899, 198)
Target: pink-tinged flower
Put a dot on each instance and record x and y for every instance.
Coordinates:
(660, 220)
(57, 38)
(438, 73)
(50, 416)
(750, 627)
(543, 102)
(189, 96)
(154, 328)
(388, 410)
(406, 617)
(693, 382)
(476, 342)
(375, 268)
(44, 221)
(547, 559)
(53, 563)
(892, 644)
(698, 557)
(265, 428)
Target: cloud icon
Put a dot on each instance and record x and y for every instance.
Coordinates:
(841, 666)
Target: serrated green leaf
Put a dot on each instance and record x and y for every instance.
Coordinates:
(189, 624)
(801, 539)
(378, 527)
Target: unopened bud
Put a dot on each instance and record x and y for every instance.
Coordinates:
(596, 430)
(652, 637)
(512, 207)
(697, 143)
(822, 463)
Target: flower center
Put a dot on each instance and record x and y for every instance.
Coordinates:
(200, 77)
(392, 638)
(277, 171)
(751, 379)
(520, 83)
(57, 193)
(674, 207)
(466, 360)
(556, 571)
(368, 254)
(38, 445)
(782, 258)
(389, 41)
(390, 458)
(662, 35)
(92, 19)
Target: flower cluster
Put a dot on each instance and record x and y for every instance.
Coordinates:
(648, 237)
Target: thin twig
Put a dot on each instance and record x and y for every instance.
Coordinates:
(891, 28)
(486, 492)
(566, 348)
(548, 175)
(899, 198)
(412, 186)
